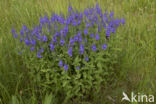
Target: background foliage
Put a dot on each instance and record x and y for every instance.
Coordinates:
(136, 61)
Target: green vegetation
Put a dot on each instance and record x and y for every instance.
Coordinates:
(137, 60)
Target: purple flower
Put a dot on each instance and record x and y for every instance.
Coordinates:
(79, 33)
(93, 47)
(81, 16)
(32, 48)
(113, 30)
(99, 28)
(34, 31)
(98, 9)
(105, 17)
(24, 28)
(62, 42)
(65, 67)
(64, 33)
(77, 67)
(88, 25)
(117, 22)
(60, 63)
(68, 21)
(65, 28)
(44, 20)
(26, 42)
(70, 51)
(104, 25)
(53, 19)
(33, 42)
(57, 34)
(81, 49)
(89, 17)
(107, 33)
(54, 39)
(85, 40)
(52, 47)
(76, 38)
(104, 46)
(19, 53)
(41, 21)
(91, 35)
(38, 36)
(61, 31)
(56, 27)
(111, 15)
(39, 55)
(71, 41)
(79, 22)
(76, 16)
(92, 22)
(97, 37)
(86, 31)
(22, 32)
(123, 21)
(45, 38)
(96, 18)
(21, 39)
(61, 20)
(86, 59)
(13, 31)
(70, 8)
(41, 50)
(15, 35)
(74, 23)
(86, 13)
(80, 39)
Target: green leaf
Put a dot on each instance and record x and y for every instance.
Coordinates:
(47, 99)
(14, 100)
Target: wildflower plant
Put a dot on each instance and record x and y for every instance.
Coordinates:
(70, 55)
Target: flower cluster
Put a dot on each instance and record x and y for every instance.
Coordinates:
(76, 34)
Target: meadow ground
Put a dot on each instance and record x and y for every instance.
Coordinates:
(137, 61)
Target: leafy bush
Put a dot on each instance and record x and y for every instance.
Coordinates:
(71, 56)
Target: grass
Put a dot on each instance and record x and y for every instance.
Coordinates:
(137, 59)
